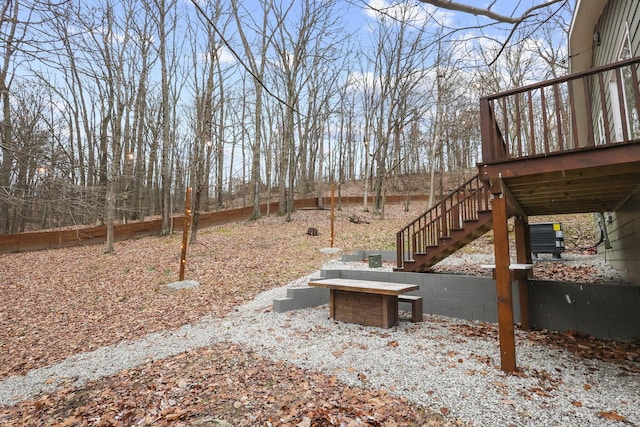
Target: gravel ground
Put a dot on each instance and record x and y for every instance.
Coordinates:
(432, 364)
(575, 267)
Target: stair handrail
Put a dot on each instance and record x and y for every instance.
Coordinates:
(437, 222)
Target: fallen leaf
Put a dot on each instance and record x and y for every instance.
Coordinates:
(611, 415)
(175, 415)
(69, 422)
(306, 422)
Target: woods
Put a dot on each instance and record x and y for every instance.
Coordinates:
(112, 108)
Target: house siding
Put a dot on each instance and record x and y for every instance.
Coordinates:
(611, 28)
(624, 235)
(624, 229)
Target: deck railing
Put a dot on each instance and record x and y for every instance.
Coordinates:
(593, 108)
(448, 215)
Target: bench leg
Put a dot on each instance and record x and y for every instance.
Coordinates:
(416, 307)
(416, 310)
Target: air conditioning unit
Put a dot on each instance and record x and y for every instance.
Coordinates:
(546, 238)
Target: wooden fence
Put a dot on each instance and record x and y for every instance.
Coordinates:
(33, 241)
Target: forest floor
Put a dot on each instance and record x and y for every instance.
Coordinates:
(59, 303)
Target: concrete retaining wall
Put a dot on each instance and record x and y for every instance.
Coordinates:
(465, 297)
(605, 311)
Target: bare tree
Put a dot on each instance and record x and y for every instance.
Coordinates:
(534, 14)
(487, 12)
(16, 19)
(93, 124)
(11, 34)
(142, 33)
(400, 67)
(303, 46)
(548, 46)
(256, 65)
(162, 10)
(209, 115)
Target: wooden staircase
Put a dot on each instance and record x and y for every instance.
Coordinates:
(458, 219)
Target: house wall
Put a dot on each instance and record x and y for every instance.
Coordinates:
(624, 235)
(611, 29)
(624, 230)
(611, 25)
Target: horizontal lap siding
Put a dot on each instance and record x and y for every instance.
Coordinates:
(611, 27)
(624, 231)
(624, 234)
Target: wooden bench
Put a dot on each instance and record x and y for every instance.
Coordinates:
(366, 302)
(416, 306)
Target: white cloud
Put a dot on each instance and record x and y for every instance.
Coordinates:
(224, 56)
(359, 81)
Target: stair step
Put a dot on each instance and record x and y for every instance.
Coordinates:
(462, 232)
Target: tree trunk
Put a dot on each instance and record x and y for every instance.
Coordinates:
(10, 44)
(165, 123)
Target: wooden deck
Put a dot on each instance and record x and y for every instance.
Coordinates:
(569, 145)
(590, 180)
(561, 147)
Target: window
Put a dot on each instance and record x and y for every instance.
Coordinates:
(601, 138)
(624, 111)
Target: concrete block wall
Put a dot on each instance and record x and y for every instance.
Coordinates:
(299, 298)
(464, 297)
(605, 311)
(363, 255)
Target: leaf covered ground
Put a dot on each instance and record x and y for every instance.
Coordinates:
(63, 302)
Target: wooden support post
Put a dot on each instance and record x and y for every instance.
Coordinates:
(523, 256)
(503, 284)
(185, 232)
(333, 216)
